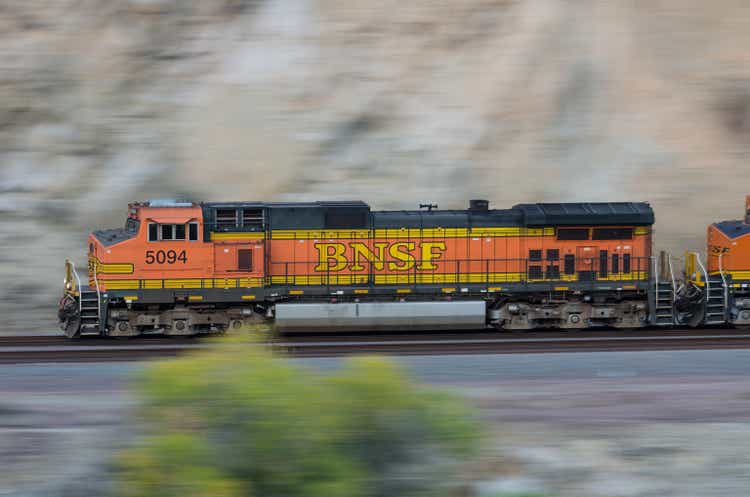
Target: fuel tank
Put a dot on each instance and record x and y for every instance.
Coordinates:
(453, 315)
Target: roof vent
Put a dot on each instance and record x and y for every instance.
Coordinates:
(168, 203)
(479, 205)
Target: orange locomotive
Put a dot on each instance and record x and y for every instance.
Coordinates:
(186, 268)
(719, 292)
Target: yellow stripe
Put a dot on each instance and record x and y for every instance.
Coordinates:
(355, 279)
(182, 283)
(398, 233)
(495, 289)
(561, 288)
(634, 276)
(641, 230)
(130, 297)
(448, 290)
(237, 236)
(248, 297)
(319, 234)
(296, 292)
(361, 290)
(110, 268)
(121, 284)
(736, 275)
(333, 279)
(195, 297)
(403, 290)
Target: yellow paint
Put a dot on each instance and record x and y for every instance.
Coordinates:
(330, 260)
(448, 290)
(296, 292)
(362, 251)
(248, 297)
(495, 289)
(194, 298)
(403, 290)
(736, 275)
(361, 290)
(428, 254)
(237, 236)
(392, 233)
(130, 297)
(195, 283)
(333, 279)
(406, 258)
(110, 268)
(561, 288)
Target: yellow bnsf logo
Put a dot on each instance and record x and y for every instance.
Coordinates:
(394, 256)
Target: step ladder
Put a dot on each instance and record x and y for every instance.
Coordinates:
(715, 296)
(715, 301)
(664, 287)
(90, 312)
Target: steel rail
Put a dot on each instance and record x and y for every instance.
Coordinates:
(14, 350)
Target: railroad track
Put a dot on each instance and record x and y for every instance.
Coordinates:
(36, 349)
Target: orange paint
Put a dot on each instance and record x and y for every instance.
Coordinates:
(395, 260)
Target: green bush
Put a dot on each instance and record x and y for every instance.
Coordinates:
(235, 421)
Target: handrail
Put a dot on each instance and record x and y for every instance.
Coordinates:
(723, 282)
(78, 284)
(671, 274)
(705, 274)
(98, 298)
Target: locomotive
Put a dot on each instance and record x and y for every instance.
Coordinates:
(184, 268)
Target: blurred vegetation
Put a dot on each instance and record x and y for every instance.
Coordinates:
(236, 421)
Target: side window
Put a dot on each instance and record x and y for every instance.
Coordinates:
(615, 263)
(245, 260)
(153, 232)
(553, 254)
(535, 255)
(193, 231)
(626, 263)
(179, 231)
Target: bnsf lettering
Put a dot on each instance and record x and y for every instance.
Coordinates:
(165, 257)
(715, 249)
(398, 256)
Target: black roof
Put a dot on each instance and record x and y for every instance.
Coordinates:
(356, 214)
(587, 213)
(733, 229)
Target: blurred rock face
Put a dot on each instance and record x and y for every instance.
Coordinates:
(392, 102)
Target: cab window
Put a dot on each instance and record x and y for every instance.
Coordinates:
(153, 232)
(193, 231)
(166, 232)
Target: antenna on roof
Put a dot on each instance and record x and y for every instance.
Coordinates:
(429, 207)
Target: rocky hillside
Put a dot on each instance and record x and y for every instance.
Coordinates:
(102, 102)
